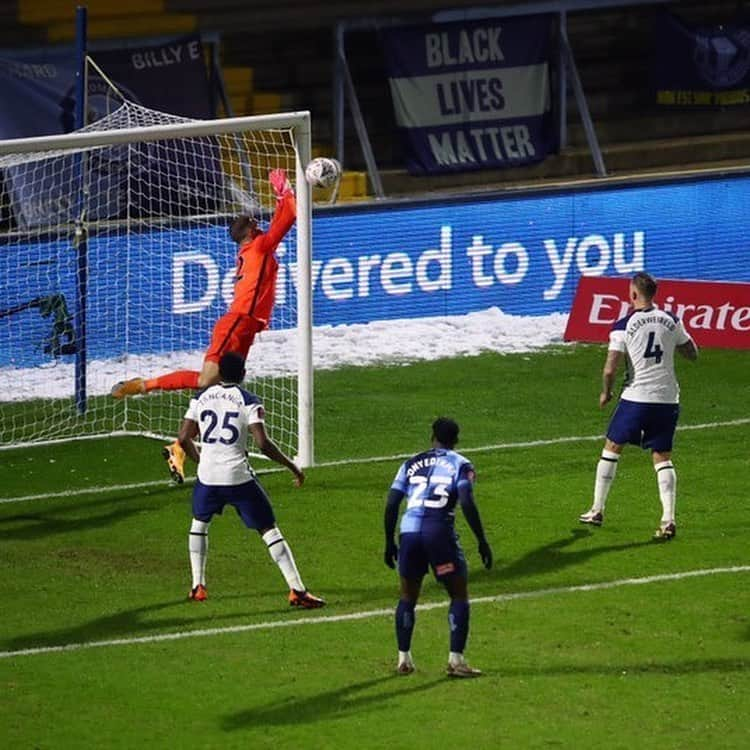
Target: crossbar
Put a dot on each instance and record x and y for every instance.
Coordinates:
(194, 129)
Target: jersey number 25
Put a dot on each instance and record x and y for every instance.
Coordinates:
(228, 432)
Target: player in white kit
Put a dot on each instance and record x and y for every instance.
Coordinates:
(647, 412)
(224, 414)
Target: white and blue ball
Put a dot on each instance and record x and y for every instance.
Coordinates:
(323, 172)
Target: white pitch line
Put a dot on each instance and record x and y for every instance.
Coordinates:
(165, 483)
(368, 614)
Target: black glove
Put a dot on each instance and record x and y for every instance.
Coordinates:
(485, 553)
(391, 554)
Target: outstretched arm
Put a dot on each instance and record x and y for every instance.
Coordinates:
(471, 513)
(268, 448)
(286, 211)
(390, 518)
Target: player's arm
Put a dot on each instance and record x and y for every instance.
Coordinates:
(612, 363)
(285, 214)
(268, 448)
(686, 346)
(188, 432)
(471, 513)
(689, 350)
(392, 503)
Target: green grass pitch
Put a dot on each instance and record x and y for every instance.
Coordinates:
(101, 556)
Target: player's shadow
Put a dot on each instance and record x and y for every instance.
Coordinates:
(725, 665)
(39, 525)
(29, 525)
(135, 623)
(556, 555)
(344, 701)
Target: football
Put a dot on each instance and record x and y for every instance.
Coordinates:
(323, 172)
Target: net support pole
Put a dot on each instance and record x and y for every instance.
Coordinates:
(305, 449)
(80, 241)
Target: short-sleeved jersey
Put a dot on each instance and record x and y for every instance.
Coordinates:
(257, 266)
(223, 413)
(430, 481)
(648, 338)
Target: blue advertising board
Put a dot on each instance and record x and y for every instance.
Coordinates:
(161, 291)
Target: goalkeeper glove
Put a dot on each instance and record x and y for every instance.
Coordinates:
(279, 182)
(485, 553)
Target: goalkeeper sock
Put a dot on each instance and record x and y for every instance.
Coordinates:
(404, 624)
(198, 548)
(666, 477)
(173, 381)
(282, 556)
(605, 473)
(458, 618)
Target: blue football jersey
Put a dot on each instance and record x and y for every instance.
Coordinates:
(430, 481)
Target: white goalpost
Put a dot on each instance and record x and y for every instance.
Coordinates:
(115, 262)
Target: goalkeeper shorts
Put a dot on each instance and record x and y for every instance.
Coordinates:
(233, 332)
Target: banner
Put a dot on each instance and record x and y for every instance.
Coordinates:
(715, 314)
(472, 95)
(37, 88)
(700, 67)
(38, 91)
(388, 260)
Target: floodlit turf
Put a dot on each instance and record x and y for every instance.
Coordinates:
(663, 664)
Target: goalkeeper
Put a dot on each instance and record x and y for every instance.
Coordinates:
(249, 313)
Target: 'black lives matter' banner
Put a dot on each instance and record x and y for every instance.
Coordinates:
(700, 67)
(472, 95)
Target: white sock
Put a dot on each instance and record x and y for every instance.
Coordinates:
(282, 556)
(605, 473)
(667, 480)
(404, 657)
(198, 547)
(455, 658)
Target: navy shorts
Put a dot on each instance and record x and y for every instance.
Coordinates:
(249, 500)
(648, 425)
(435, 546)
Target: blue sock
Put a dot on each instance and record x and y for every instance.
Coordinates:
(458, 617)
(404, 624)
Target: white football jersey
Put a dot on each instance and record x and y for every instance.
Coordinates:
(648, 338)
(223, 413)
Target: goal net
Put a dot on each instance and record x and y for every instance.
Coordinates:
(115, 262)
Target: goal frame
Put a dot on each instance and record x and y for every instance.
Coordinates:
(298, 123)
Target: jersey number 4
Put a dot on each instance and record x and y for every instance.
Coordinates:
(653, 349)
(228, 432)
(435, 488)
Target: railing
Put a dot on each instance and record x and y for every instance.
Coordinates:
(345, 90)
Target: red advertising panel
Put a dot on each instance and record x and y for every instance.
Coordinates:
(715, 313)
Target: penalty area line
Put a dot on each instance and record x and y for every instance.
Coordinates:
(369, 614)
(166, 484)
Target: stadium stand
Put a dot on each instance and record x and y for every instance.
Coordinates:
(279, 56)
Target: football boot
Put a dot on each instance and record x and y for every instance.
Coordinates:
(125, 388)
(305, 600)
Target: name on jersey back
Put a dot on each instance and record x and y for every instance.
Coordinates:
(423, 463)
(223, 395)
(635, 325)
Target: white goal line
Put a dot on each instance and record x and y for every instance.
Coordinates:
(165, 483)
(369, 614)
